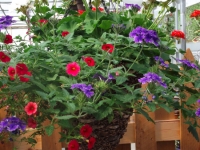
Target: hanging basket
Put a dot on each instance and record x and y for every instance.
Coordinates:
(107, 134)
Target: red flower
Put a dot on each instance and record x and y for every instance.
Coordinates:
(31, 108)
(24, 79)
(73, 145)
(90, 61)
(80, 12)
(195, 14)
(86, 130)
(11, 73)
(108, 48)
(91, 143)
(32, 123)
(8, 39)
(21, 69)
(100, 9)
(73, 69)
(65, 33)
(178, 34)
(42, 21)
(4, 57)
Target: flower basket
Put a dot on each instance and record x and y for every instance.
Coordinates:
(107, 134)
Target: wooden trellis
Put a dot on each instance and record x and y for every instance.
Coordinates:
(146, 135)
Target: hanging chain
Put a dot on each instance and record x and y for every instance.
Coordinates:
(90, 4)
(104, 5)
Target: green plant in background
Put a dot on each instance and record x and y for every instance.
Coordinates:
(92, 63)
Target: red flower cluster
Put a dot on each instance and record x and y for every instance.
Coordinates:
(8, 39)
(85, 131)
(21, 70)
(100, 9)
(4, 57)
(89, 61)
(80, 12)
(195, 14)
(42, 21)
(178, 34)
(31, 108)
(32, 123)
(65, 33)
(73, 69)
(108, 48)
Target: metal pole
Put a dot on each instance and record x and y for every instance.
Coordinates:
(182, 23)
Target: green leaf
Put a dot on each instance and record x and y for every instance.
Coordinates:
(151, 106)
(42, 95)
(90, 25)
(194, 132)
(67, 117)
(53, 78)
(165, 56)
(168, 109)
(89, 110)
(140, 68)
(197, 84)
(192, 99)
(49, 130)
(19, 87)
(71, 107)
(145, 114)
(106, 24)
(120, 80)
(174, 67)
(103, 112)
(40, 85)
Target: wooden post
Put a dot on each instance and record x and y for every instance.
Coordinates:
(123, 147)
(145, 133)
(187, 140)
(52, 142)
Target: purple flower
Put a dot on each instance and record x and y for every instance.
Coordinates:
(189, 64)
(152, 77)
(197, 112)
(100, 77)
(161, 61)
(140, 35)
(86, 89)
(133, 6)
(198, 101)
(12, 124)
(6, 21)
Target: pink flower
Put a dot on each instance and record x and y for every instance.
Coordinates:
(73, 69)
(24, 79)
(91, 143)
(8, 39)
(31, 108)
(86, 130)
(11, 73)
(4, 57)
(89, 61)
(65, 33)
(21, 69)
(73, 145)
(32, 123)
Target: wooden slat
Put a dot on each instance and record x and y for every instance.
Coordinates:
(129, 136)
(52, 142)
(187, 140)
(124, 147)
(167, 145)
(168, 130)
(145, 133)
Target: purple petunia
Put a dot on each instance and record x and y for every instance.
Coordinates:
(161, 61)
(197, 112)
(198, 101)
(6, 21)
(140, 35)
(100, 77)
(152, 77)
(12, 124)
(189, 64)
(86, 89)
(133, 6)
